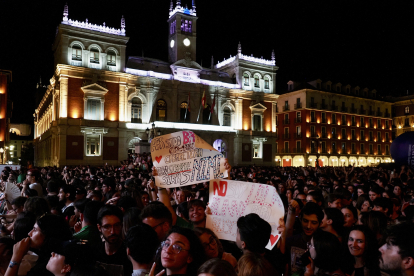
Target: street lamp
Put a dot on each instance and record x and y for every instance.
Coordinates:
(152, 133)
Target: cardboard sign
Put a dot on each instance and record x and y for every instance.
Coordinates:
(182, 158)
(230, 200)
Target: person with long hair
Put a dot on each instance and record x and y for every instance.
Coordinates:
(213, 247)
(216, 267)
(362, 255)
(324, 255)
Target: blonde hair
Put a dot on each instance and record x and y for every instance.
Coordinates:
(252, 264)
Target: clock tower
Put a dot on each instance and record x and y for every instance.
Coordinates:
(182, 32)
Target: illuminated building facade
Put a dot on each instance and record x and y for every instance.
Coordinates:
(97, 106)
(340, 125)
(5, 112)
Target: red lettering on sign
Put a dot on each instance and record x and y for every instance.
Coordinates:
(220, 188)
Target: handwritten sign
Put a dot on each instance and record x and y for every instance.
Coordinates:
(230, 200)
(182, 158)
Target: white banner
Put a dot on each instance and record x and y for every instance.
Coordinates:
(182, 158)
(230, 200)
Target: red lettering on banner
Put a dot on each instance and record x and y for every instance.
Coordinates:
(188, 137)
(220, 188)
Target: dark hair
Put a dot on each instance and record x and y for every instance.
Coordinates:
(376, 221)
(90, 213)
(142, 242)
(196, 250)
(183, 209)
(30, 192)
(254, 264)
(377, 189)
(35, 173)
(328, 255)
(361, 199)
(371, 254)
(200, 231)
(110, 183)
(19, 201)
(317, 196)
(71, 190)
(217, 267)
(337, 218)
(37, 205)
(254, 231)
(80, 204)
(53, 227)
(23, 225)
(97, 194)
(311, 208)
(131, 218)
(52, 186)
(126, 202)
(401, 235)
(353, 210)
(196, 203)
(109, 210)
(157, 211)
(384, 203)
(331, 198)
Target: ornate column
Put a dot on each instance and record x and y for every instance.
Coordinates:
(64, 80)
(123, 95)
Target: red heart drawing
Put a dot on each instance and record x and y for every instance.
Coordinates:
(158, 158)
(273, 239)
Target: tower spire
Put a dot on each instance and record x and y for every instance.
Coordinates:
(178, 5)
(239, 48)
(171, 6)
(273, 55)
(194, 6)
(123, 24)
(65, 13)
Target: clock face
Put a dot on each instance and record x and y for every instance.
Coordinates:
(186, 42)
(172, 43)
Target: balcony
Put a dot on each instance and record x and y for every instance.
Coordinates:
(371, 112)
(344, 109)
(379, 114)
(343, 123)
(313, 150)
(353, 151)
(313, 120)
(334, 108)
(314, 135)
(371, 125)
(298, 135)
(324, 106)
(353, 123)
(387, 115)
(286, 108)
(298, 105)
(371, 139)
(286, 121)
(334, 151)
(324, 150)
(285, 150)
(343, 151)
(387, 152)
(323, 121)
(324, 135)
(313, 105)
(286, 136)
(353, 137)
(298, 150)
(334, 136)
(371, 151)
(353, 110)
(362, 111)
(298, 120)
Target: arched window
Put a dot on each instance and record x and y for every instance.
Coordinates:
(111, 58)
(184, 113)
(407, 110)
(136, 110)
(206, 115)
(161, 111)
(246, 79)
(76, 53)
(266, 82)
(226, 117)
(94, 55)
(256, 81)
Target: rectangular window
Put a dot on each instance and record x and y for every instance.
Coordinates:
(313, 119)
(136, 114)
(387, 136)
(343, 147)
(378, 136)
(387, 149)
(333, 147)
(93, 144)
(257, 123)
(362, 135)
(333, 131)
(266, 82)
(323, 117)
(343, 121)
(93, 111)
(323, 130)
(371, 149)
(323, 146)
(343, 133)
(378, 123)
(313, 132)
(298, 146)
(286, 147)
(353, 134)
(361, 124)
(256, 82)
(333, 118)
(379, 149)
(387, 125)
(362, 148)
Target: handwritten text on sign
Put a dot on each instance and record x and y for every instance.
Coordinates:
(182, 158)
(230, 200)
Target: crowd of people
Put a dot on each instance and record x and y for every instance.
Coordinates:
(107, 220)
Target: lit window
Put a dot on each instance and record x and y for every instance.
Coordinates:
(407, 110)
(76, 53)
(94, 55)
(161, 110)
(266, 82)
(111, 58)
(256, 81)
(226, 117)
(93, 109)
(93, 144)
(136, 110)
(246, 79)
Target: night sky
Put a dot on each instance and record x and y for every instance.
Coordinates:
(365, 43)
